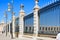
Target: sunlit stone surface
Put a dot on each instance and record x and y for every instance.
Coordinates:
(3, 37)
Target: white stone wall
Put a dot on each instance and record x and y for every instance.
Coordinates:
(2, 27)
(44, 31)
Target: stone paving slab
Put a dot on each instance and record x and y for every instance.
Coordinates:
(3, 37)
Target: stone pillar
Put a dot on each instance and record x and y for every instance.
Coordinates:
(9, 29)
(13, 25)
(50, 29)
(31, 29)
(53, 28)
(28, 29)
(58, 28)
(47, 29)
(36, 20)
(21, 21)
(2, 26)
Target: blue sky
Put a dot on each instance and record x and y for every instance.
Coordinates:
(28, 6)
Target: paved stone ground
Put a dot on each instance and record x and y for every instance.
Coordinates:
(3, 37)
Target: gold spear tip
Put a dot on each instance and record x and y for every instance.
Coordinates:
(37, 0)
(21, 6)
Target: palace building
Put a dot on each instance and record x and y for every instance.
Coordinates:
(45, 13)
(2, 27)
(50, 10)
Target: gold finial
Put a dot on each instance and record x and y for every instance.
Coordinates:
(13, 13)
(5, 14)
(37, 0)
(9, 7)
(21, 6)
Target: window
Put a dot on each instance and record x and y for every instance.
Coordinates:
(42, 28)
(57, 28)
(54, 28)
(49, 28)
(26, 28)
(29, 28)
(46, 28)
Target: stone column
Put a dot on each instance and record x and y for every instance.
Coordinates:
(9, 29)
(58, 28)
(13, 25)
(53, 28)
(36, 20)
(21, 21)
(50, 29)
(28, 29)
(47, 28)
(31, 29)
(2, 26)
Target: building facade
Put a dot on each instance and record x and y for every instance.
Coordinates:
(51, 12)
(2, 27)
